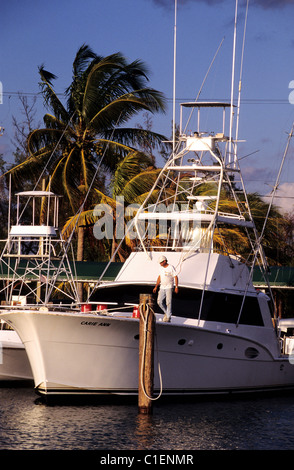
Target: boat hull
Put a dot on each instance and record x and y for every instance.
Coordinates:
(14, 363)
(93, 354)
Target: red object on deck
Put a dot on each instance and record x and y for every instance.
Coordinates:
(86, 308)
(136, 312)
(101, 307)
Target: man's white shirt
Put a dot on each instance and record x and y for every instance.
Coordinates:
(167, 277)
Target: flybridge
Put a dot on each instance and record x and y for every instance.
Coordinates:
(204, 104)
(197, 140)
(36, 251)
(201, 186)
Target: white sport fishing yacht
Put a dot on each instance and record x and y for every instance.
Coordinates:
(223, 336)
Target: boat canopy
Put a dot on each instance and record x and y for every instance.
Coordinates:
(37, 193)
(206, 104)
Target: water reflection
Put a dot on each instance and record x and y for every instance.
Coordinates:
(29, 424)
(144, 432)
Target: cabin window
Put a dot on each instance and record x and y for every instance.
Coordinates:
(220, 307)
(226, 308)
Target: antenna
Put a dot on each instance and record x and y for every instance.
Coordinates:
(174, 79)
(240, 83)
(203, 82)
(233, 79)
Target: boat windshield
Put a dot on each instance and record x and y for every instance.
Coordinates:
(217, 306)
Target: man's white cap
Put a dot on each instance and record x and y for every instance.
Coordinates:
(162, 258)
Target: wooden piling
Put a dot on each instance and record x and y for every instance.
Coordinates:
(146, 354)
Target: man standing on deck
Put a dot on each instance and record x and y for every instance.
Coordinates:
(167, 279)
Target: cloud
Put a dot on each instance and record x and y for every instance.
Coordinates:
(253, 174)
(273, 4)
(285, 197)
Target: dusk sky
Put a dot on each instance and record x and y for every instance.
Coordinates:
(50, 33)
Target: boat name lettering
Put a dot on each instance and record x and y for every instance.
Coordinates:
(94, 323)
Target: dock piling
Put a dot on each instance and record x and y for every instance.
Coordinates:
(146, 354)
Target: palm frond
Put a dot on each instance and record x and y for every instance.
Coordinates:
(46, 76)
(120, 110)
(23, 172)
(139, 184)
(80, 219)
(138, 137)
(50, 97)
(83, 57)
(132, 164)
(41, 139)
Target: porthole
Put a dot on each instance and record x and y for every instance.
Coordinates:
(181, 341)
(220, 346)
(251, 353)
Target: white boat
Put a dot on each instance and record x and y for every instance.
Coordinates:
(14, 363)
(33, 259)
(223, 336)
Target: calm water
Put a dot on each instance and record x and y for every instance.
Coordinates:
(255, 423)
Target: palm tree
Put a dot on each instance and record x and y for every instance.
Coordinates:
(132, 180)
(288, 236)
(236, 241)
(90, 130)
(275, 245)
